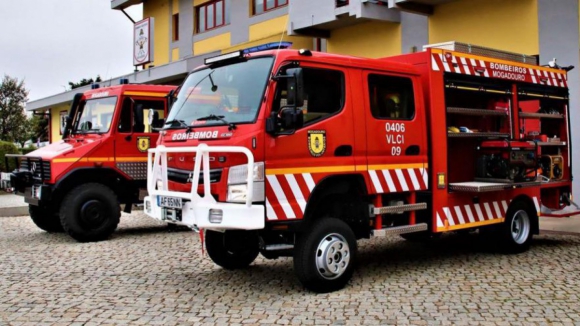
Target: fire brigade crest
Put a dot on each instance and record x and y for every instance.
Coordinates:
(143, 144)
(317, 142)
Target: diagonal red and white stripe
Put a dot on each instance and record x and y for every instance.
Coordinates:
(398, 180)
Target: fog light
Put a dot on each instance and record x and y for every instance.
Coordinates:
(148, 206)
(216, 215)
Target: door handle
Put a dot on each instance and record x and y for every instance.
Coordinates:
(343, 150)
(413, 150)
(128, 137)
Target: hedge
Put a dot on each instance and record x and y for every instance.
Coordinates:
(28, 149)
(7, 148)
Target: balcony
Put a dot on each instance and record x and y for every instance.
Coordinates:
(424, 7)
(328, 15)
(123, 4)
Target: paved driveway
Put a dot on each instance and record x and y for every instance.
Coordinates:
(147, 275)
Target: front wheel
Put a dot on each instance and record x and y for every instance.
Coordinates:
(325, 255)
(90, 212)
(232, 249)
(45, 219)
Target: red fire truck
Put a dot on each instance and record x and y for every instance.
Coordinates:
(308, 152)
(78, 184)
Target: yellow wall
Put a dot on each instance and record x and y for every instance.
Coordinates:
(199, 2)
(175, 7)
(211, 44)
(275, 26)
(372, 40)
(159, 9)
(175, 55)
(510, 25)
(55, 122)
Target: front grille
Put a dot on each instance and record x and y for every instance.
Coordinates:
(40, 169)
(184, 176)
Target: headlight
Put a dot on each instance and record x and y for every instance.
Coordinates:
(239, 174)
(239, 193)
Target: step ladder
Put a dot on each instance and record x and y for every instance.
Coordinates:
(377, 210)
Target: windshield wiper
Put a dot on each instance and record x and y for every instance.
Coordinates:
(231, 125)
(173, 122)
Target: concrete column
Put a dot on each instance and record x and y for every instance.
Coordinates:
(559, 38)
(414, 32)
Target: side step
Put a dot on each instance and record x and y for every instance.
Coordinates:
(397, 209)
(399, 230)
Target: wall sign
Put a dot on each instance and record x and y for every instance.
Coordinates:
(143, 42)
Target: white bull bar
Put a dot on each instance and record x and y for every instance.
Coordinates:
(196, 209)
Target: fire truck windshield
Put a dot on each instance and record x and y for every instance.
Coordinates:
(233, 92)
(95, 115)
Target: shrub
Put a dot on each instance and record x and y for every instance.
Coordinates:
(7, 148)
(28, 149)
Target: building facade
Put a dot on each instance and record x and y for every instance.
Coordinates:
(187, 31)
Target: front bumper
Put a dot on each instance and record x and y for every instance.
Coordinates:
(197, 214)
(196, 210)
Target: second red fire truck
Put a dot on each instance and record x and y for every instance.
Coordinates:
(304, 153)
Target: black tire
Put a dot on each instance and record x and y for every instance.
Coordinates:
(329, 241)
(45, 219)
(90, 212)
(515, 234)
(232, 249)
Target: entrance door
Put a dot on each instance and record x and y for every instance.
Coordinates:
(396, 143)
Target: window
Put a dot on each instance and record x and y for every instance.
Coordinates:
(391, 97)
(176, 27)
(135, 115)
(211, 15)
(261, 6)
(324, 94)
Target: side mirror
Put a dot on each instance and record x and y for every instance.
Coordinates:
(295, 87)
(291, 118)
(170, 99)
(150, 117)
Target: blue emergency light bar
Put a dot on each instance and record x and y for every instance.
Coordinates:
(240, 53)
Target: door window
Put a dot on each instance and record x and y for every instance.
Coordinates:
(391, 97)
(135, 115)
(324, 94)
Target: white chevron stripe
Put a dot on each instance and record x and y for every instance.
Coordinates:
(270, 211)
(469, 214)
(459, 215)
(439, 222)
(375, 180)
(486, 74)
(504, 205)
(497, 210)
(488, 211)
(389, 180)
(434, 65)
(281, 196)
(425, 177)
(448, 215)
(296, 191)
(480, 216)
(414, 180)
(402, 180)
(465, 66)
(537, 204)
(309, 181)
(445, 64)
(473, 63)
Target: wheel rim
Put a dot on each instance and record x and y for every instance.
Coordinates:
(332, 256)
(520, 227)
(93, 213)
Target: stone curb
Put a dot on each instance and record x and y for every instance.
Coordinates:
(13, 211)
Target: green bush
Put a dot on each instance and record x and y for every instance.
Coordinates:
(28, 149)
(7, 148)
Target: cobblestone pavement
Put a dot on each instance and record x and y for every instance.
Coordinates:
(147, 275)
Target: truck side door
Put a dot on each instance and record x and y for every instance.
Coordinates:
(395, 128)
(135, 133)
(296, 162)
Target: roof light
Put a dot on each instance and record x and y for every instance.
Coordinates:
(224, 57)
(268, 46)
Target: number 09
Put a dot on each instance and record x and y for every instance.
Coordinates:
(395, 150)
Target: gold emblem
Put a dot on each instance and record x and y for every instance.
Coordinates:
(317, 142)
(143, 144)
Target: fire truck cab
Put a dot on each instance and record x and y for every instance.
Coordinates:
(322, 150)
(78, 184)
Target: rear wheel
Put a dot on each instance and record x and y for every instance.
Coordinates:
(515, 234)
(232, 249)
(45, 219)
(324, 256)
(90, 212)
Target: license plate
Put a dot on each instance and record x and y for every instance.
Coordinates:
(169, 202)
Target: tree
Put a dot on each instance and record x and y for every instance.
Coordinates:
(84, 82)
(13, 96)
(24, 132)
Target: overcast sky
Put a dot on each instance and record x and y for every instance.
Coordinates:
(51, 42)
